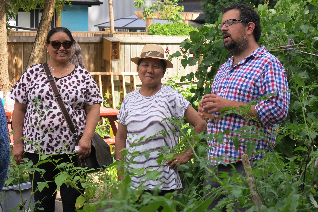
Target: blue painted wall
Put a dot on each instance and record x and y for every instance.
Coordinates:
(75, 17)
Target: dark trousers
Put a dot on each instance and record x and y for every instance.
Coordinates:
(161, 193)
(222, 168)
(46, 198)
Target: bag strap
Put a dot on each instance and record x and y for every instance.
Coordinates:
(58, 98)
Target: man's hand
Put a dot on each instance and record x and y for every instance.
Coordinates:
(212, 103)
(85, 148)
(201, 110)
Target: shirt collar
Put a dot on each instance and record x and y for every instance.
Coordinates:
(256, 53)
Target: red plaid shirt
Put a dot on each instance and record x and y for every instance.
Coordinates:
(255, 76)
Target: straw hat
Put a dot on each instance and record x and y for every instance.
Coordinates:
(152, 51)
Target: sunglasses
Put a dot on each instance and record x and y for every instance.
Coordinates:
(57, 44)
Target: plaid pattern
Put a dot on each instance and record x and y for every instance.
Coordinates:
(256, 75)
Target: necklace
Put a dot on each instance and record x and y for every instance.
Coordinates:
(59, 71)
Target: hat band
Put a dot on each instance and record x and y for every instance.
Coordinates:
(152, 54)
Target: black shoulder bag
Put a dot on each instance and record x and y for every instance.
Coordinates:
(100, 152)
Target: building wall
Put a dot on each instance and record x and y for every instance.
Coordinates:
(100, 14)
(75, 17)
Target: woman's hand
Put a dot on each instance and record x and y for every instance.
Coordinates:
(179, 160)
(17, 124)
(17, 151)
(84, 148)
(121, 177)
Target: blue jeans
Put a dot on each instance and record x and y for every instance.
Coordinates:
(47, 196)
(4, 147)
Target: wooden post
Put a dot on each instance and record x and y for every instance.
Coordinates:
(122, 87)
(110, 90)
(132, 83)
(255, 197)
(111, 17)
(148, 23)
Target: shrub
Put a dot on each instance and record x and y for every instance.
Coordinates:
(178, 28)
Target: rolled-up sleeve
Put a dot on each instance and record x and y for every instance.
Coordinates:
(274, 109)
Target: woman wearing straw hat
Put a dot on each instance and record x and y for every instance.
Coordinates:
(142, 120)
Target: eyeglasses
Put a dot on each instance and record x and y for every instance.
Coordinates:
(57, 44)
(228, 23)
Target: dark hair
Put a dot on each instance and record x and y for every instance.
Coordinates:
(59, 29)
(163, 64)
(76, 56)
(247, 14)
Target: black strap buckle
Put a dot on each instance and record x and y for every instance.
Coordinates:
(49, 80)
(58, 97)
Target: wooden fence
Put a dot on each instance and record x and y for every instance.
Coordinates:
(131, 44)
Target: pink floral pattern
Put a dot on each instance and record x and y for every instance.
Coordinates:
(45, 129)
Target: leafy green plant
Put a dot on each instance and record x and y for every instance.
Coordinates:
(213, 8)
(169, 9)
(177, 29)
(103, 129)
(186, 90)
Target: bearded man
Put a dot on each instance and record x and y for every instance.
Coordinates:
(248, 75)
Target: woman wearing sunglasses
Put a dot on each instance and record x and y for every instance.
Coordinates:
(38, 118)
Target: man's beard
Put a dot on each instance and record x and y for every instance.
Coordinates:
(236, 48)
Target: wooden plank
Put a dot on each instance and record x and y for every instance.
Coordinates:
(98, 60)
(127, 57)
(27, 47)
(31, 39)
(122, 87)
(110, 90)
(121, 65)
(155, 40)
(114, 73)
(132, 83)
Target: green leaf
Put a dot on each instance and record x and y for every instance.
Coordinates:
(147, 155)
(313, 201)
(59, 180)
(236, 143)
(202, 206)
(295, 105)
(41, 185)
(251, 145)
(299, 81)
(237, 192)
(304, 28)
(152, 175)
(90, 192)
(219, 137)
(80, 202)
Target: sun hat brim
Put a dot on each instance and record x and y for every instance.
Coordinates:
(152, 51)
(136, 60)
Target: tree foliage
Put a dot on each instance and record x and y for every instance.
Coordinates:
(213, 8)
(178, 28)
(169, 9)
(13, 6)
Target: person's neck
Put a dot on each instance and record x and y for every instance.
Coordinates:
(238, 58)
(58, 65)
(149, 91)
